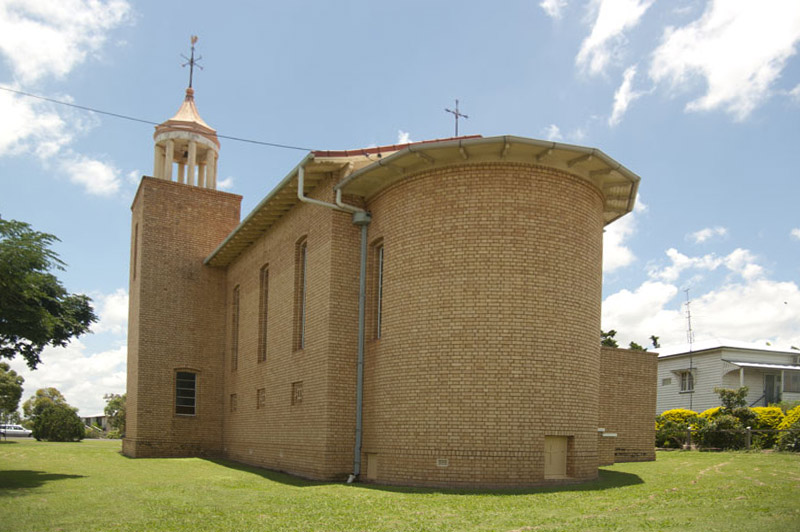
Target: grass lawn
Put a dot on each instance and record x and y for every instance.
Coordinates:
(91, 486)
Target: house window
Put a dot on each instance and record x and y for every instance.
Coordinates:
(301, 289)
(379, 292)
(297, 393)
(234, 402)
(687, 381)
(791, 382)
(666, 382)
(235, 330)
(261, 398)
(263, 313)
(185, 393)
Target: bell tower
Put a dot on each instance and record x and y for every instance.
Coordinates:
(176, 326)
(185, 141)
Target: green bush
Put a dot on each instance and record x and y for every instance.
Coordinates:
(114, 434)
(767, 418)
(671, 427)
(723, 432)
(58, 422)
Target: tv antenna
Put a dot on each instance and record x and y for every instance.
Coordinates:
(457, 114)
(690, 340)
(192, 62)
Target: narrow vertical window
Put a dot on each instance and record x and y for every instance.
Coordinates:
(185, 393)
(301, 294)
(379, 293)
(234, 402)
(135, 249)
(261, 398)
(235, 330)
(263, 314)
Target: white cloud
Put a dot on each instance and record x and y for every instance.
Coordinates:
(403, 137)
(612, 18)
(552, 132)
(794, 94)
(112, 311)
(30, 126)
(616, 253)
(795, 233)
(225, 184)
(704, 234)
(96, 177)
(82, 377)
(752, 310)
(739, 261)
(42, 38)
(554, 8)
(737, 47)
(624, 96)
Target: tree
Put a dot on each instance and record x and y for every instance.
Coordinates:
(35, 309)
(10, 393)
(58, 422)
(607, 338)
(43, 398)
(52, 417)
(115, 411)
(636, 347)
(654, 339)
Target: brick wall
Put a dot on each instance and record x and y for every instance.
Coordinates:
(313, 437)
(491, 313)
(627, 403)
(175, 318)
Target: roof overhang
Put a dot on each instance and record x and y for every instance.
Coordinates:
(763, 365)
(617, 184)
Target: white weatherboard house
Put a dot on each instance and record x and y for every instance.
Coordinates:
(686, 379)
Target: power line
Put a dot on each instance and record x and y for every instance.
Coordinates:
(134, 119)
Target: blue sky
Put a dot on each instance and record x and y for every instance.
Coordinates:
(699, 98)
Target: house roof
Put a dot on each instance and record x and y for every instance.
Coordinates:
(706, 346)
(367, 171)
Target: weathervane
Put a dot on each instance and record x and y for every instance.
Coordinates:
(192, 62)
(457, 114)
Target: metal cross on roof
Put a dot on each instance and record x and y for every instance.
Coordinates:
(457, 114)
(192, 62)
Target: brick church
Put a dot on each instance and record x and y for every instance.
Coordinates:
(423, 314)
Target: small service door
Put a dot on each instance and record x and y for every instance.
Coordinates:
(555, 457)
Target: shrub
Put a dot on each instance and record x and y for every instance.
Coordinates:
(767, 418)
(732, 399)
(58, 422)
(789, 440)
(792, 418)
(711, 413)
(114, 434)
(671, 427)
(724, 432)
(678, 415)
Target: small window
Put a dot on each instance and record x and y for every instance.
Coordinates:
(185, 393)
(261, 398)
(687, 381)
(297, 393)
(234, 402)
(235, 330)
(263, 314)
(791, 382)
(666, 382)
